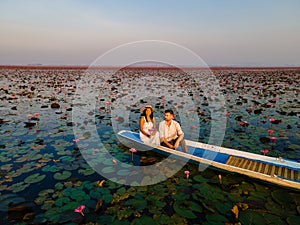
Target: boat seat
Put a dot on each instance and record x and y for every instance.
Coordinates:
(264, 168)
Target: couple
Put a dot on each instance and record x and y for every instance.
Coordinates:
(170, 133)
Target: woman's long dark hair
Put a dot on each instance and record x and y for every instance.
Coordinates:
(144, 114)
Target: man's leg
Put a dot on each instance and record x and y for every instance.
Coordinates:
(183, 146)
(172, 142)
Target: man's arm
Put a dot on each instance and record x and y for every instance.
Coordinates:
(180, 135)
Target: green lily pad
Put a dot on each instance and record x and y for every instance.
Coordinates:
(49, 168)
(293, 220)
(40, 200)
(126, 165)
(17, 187)
(108, 169)
(139, 204)
(123, 172)
(62, 176)
(199, 178)
(95, 194)
(79, 195)
(272, 219)
(250, 217)
(224, 208)
(143, 220)
(282, 197)
(34, 178)
(183, 210)
(45, 192)
(216, 219)
(86, 172)
(61, 201)
(59, 186)
(6, 167)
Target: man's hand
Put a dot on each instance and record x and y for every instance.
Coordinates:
(176, 144)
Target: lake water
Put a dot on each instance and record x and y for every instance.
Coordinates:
(46, 173)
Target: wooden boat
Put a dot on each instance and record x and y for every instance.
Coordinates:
(278, 171)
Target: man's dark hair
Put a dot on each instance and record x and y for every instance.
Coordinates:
(169, 111)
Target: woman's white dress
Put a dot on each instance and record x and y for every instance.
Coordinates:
(148, 128)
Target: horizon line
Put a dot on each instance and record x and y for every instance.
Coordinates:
(212, 67)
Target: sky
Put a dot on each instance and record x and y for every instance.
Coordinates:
(221, 32)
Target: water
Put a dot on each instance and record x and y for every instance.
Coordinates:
(44, 175)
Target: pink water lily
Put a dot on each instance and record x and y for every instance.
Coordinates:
(270, 131)
(264, 151)
(194, 127)
(244, 123)
(272, 120)
(76, 140)
(80, 209)
(132, 150)
(187, 173)
(36, 114)
(273, 139)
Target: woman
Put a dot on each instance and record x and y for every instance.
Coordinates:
(148, 131)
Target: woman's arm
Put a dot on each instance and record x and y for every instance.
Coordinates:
(142, 122)
(154, 125)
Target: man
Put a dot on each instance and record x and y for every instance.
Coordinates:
(170, 132)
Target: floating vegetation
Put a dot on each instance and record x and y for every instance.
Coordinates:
(42, 158)
(62, 176)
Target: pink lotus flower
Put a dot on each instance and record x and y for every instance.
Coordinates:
(132, 150)
(79, 209)
(187, 173)
(244, 123)
(272, 120)
(76, 140)
(108, 103)
(273, 139)
(270, 131)
(264, 151)
(194, 127)
(36, 114)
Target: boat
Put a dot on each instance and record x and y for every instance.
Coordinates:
(279, 171)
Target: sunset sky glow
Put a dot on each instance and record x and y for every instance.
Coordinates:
(224, 33)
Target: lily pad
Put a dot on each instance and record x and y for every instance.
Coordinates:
(282, 197)
(143, 220)
(250, 217)
(199, 178)
(183, 210)
(34, 178)
(17, 187)
(123, 172)
(216, 219)
(62, 176)
(272, 219)
(293, 220)
(139, 204)
(86, 172)
(45, 192)
(108, 169)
